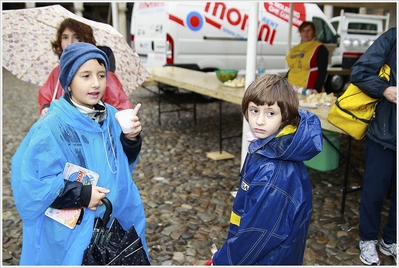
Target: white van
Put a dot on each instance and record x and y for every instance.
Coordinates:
(212, 35)
(357, 32)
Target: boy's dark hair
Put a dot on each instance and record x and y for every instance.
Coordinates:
(82, 30)
(111, 57)
(270, 89)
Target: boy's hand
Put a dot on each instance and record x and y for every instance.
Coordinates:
(97, 194)
(136, 124)
(44, 111)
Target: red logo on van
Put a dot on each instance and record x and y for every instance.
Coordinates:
(282, 11)
(236, 18)
(217, 12)
(233, 16)
(150, 4)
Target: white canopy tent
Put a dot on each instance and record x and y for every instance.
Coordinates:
(252, 45)
(251, 61)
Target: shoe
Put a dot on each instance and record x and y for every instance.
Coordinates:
(388, 249)
(368, 252)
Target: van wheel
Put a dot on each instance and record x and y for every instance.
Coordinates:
(335, 83)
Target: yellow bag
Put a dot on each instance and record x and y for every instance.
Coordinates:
(353, 110)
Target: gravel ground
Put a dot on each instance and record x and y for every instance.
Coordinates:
(187, 195)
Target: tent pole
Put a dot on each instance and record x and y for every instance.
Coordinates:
(250, 66)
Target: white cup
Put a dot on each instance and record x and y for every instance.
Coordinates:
(124, 119)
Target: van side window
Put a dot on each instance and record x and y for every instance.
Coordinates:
(324, 33)
(362, 28)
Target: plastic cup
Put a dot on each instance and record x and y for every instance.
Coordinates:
(124, 119)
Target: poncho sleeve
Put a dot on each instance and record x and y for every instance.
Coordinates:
(36, 172)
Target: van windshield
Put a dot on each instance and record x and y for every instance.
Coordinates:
(335, 25)
(323, 32)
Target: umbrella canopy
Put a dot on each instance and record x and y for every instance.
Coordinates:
(27, 52)
(114, 245)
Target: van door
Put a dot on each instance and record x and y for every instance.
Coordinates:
(326, 35)
(324, 32)
(148, 28)
(211, 35)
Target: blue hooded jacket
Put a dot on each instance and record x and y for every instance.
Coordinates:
(64, 135)
(273, 206)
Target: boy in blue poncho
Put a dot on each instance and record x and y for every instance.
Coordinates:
(81, 129)
(272, 210)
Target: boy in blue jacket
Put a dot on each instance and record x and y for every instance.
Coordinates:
(272, 210)
(81, 129)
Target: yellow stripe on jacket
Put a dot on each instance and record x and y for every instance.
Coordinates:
(235, 219)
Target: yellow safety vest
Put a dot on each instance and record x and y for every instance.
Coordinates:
(302, 63)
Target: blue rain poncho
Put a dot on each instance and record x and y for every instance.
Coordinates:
(66, 135)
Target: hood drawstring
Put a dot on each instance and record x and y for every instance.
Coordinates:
(112, 149)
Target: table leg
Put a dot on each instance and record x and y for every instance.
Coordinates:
(195, 108)
(177, 103)
(220, 127)
(159, 106)
(346, 174)
(220, 155)
(348, 165)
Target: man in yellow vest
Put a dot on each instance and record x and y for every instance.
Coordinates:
(307, 61)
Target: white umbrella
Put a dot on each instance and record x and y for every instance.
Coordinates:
(27, 52)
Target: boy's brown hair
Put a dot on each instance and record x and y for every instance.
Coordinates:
(82, 30)
(270, 89)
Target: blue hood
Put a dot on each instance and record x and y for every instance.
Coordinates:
(301, 145)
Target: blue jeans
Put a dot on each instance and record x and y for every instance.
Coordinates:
(379, 176)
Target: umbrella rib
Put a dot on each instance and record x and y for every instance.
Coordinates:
(131, 244)
(134, 251)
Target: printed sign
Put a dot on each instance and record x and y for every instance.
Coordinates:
(282, 11)
(143, 5)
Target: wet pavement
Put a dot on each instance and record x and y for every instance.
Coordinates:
(187, 196)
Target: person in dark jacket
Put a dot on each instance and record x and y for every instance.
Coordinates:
(272, 210)
(380, 156)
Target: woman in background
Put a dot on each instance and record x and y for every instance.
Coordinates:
(307, 61)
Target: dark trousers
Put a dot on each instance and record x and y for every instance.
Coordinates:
(378, 178)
